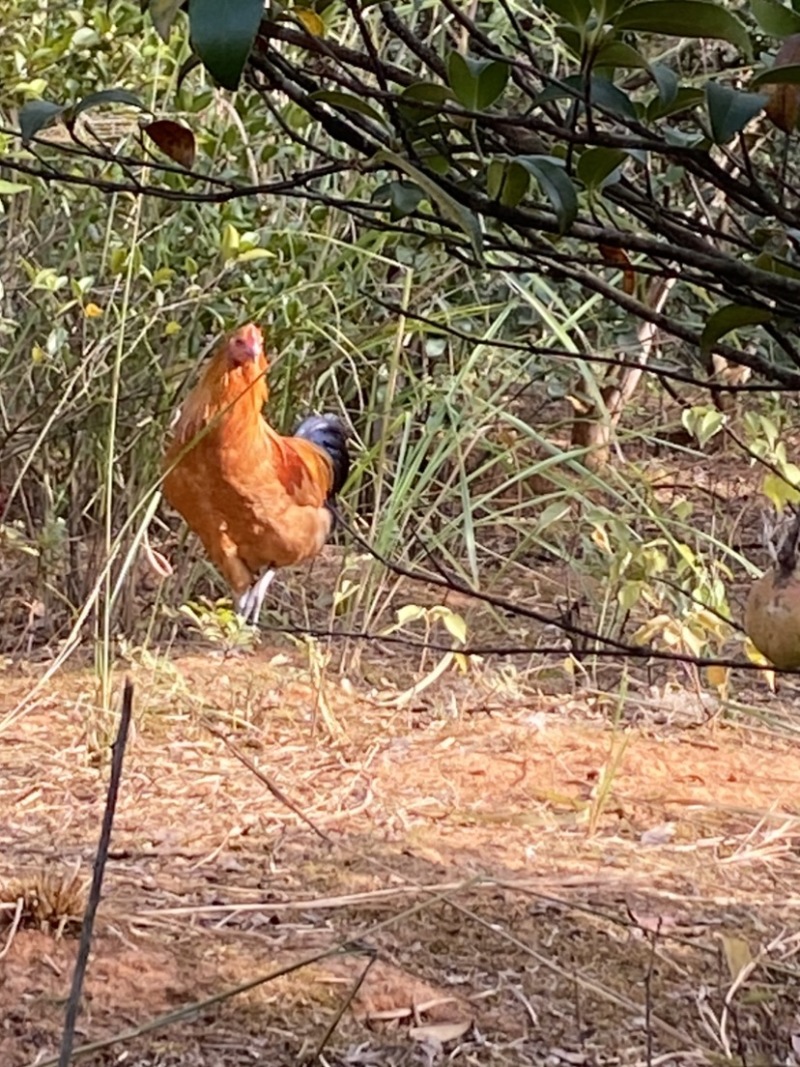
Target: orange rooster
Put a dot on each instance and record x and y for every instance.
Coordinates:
(255, 499)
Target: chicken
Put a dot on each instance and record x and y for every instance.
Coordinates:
(257, 500)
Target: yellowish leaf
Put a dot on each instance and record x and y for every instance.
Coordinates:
(163, 276)
(92, 311)
(172, 328)
(753, 654)
(600, 538)
(718, 676)
(230, 241)
(37, 354)
(737, 955)
(647, 631)
(779, 492)
(455, 626)
(310, 21)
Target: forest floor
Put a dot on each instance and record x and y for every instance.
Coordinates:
(500, 870)
(517, 865)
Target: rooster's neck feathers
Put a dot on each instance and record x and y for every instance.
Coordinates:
(231, 396)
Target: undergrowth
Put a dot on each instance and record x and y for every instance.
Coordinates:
(460, 427)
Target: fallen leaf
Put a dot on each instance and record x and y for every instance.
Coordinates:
(658, 835)
(737, 954)
(440, 1032)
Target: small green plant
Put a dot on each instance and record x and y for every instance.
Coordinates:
(781, 481)
(217, 622)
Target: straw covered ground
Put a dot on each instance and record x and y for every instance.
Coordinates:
(482, 874)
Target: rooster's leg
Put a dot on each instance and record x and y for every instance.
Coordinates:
(249, 603)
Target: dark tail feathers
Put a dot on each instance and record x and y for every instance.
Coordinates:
(329, 434)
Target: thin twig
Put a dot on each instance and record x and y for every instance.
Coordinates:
(276, 791)
(344, 1006)
(118, 752)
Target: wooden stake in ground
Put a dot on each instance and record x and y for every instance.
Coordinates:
(118, 751)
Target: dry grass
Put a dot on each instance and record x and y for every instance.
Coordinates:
(538, 886)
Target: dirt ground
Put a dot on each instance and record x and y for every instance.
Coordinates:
(491, 875)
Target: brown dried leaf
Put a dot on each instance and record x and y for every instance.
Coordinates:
(783, 108)
(174, 140)
(619, 258)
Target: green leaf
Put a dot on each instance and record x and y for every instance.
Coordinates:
(492, 82)
(222, 34)
(494, 178)
(570, 88)
(597, 166)
(450, 208)
(728, 318)
(667, 82)
(477, 83)
(775, 19)
(419, 106)
(427, 93)
(730, 110)
(189, 64)
(105, 96)
(770, 262)
(619, 54)
(556, 185)
(507, 181)
(685, 138)
(36, 115)
(10, 188)
(608, 9)
(788, 75)
(685, 99)
(229, 245)
(403, 196)
(686, 18)
(572, 38)
(606, 95)
(349, 102)
(702, 422)
(163, 13)
(462, 81)
(575, 12)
